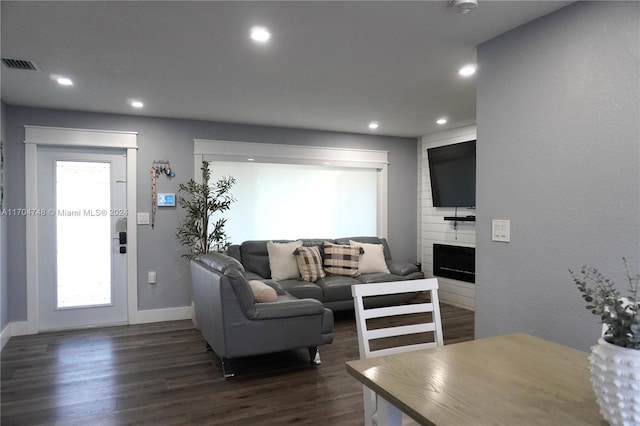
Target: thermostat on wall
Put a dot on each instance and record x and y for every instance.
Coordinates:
(166, 199)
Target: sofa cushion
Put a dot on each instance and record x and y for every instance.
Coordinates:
(255, 257)
(282, 261)
(378, 277)
(372, 260)
(309, 263)
(336, 287)
(262, 292)
(302, 289)
(341, 259)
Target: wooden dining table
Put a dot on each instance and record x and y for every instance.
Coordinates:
(514, 379)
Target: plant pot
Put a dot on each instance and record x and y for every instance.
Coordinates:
(615, 376)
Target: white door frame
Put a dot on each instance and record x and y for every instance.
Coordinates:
(66, 137)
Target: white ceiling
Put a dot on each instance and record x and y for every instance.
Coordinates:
(331, 65)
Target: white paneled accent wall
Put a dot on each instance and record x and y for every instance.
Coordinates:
(432, 227)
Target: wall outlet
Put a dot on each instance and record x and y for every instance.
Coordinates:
(151, 277)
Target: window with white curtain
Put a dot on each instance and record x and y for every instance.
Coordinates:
(289, 201)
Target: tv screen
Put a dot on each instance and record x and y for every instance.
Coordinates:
(452, 169)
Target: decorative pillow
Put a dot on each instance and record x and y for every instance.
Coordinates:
(262, 292)
(282, 261)
(341, 259)
(309, 263)
(372, 260)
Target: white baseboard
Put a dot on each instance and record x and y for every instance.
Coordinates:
(5, 336)
(18, 328)
(159, 315)
(457, 300)
(22, 328)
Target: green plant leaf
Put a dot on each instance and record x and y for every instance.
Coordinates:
(200, 202)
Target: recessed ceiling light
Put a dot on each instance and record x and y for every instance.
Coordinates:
(64, 81)
(442, 121)
(137, 104)
(250, 159)
(463, 6)
(373, 125)
(260, 34)
(467, 70)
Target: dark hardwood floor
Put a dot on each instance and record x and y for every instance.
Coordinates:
(160, 374)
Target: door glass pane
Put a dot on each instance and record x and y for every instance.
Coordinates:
(83, 225)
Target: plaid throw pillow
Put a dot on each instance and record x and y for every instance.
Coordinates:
(309, 263)
(341, 259)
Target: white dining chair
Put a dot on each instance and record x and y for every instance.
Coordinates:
(365, 334)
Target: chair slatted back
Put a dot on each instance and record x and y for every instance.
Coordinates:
(365, 335)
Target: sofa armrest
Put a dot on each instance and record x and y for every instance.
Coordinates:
(287, 309)
(401, 268)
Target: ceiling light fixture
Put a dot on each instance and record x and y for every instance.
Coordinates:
(260, 34)
(373, 125)
(64, 81)
(467, 70)
(463, 6)
(441, 121)
(137, 104)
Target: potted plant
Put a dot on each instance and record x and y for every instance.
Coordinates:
(201, 202)
(615, 361)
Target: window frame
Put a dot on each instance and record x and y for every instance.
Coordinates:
(219, 150)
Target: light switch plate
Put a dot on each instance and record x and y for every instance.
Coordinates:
(501, 230)
(143, 218)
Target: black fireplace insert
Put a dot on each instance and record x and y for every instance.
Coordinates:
(456, 262)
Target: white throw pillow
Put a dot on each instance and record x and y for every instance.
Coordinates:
(262, 292)
(372, 260)
(282, 261)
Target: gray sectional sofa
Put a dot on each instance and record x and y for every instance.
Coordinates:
(334, 291)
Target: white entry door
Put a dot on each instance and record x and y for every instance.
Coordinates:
(82, 250)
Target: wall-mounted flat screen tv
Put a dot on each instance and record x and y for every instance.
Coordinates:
(452, 169)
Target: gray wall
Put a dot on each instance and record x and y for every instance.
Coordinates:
(558, 107)
(172, 139)
(4, 286)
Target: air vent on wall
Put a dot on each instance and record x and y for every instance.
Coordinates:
(20, 64)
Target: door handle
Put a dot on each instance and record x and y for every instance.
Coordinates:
(122, 238)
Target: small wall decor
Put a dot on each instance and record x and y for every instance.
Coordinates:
(163, 167)
(158, 168)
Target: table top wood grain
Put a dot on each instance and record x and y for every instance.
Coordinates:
(515, 379)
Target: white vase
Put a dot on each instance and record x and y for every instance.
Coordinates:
(615, 376)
